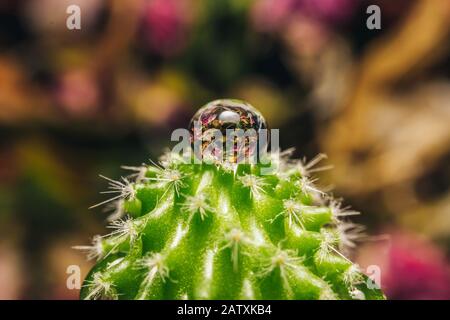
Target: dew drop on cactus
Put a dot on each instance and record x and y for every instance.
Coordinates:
(225, 115)
(229, 114)
(182, 230)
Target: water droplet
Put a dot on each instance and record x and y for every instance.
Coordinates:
(220, 118)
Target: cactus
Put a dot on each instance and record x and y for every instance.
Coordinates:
(214, 231)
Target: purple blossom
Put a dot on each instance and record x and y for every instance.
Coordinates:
(273, 15)
(165, 25)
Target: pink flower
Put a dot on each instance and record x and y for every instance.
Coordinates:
(418, 270)
(77, 92)
(165, 24)
(411, 268)
(271, 15)
(330, 11)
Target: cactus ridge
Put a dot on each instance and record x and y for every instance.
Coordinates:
(200, 231)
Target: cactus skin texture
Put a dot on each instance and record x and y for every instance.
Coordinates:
(198, 231)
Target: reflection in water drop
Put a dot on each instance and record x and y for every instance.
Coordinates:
(236, 123)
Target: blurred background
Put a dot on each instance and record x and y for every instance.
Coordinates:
(78, 103)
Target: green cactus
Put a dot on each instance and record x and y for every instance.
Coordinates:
(208, 231)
